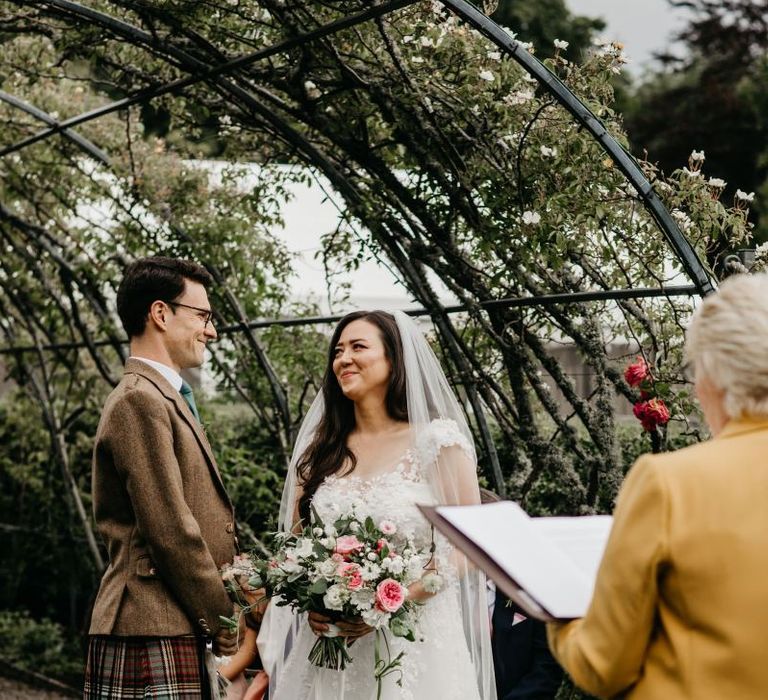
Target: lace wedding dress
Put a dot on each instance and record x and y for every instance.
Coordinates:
(436, 666)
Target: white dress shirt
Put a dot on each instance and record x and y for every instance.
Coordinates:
(173, 377)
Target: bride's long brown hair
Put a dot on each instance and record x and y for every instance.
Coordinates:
(327, 453)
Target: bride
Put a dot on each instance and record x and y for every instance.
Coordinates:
(385, 433)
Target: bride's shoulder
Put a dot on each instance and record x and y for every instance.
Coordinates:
(441, 433)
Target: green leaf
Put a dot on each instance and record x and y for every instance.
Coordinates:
(319, 587)
(317, 521)
(231, 623)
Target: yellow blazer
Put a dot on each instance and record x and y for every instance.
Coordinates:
(680, 608)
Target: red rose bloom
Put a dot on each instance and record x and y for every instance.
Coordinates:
(637, 372)
(651, 413)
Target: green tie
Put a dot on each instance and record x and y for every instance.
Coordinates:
(189, 397)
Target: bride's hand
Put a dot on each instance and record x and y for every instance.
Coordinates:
(319, 623)
(351, 629)
(417, 593)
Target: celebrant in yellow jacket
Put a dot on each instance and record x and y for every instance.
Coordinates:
(680, 608)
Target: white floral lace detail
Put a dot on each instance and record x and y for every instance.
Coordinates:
(442, 432)
(391, 495)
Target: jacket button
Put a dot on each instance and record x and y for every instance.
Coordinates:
(230, 528)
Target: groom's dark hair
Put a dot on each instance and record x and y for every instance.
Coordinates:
(148, 280)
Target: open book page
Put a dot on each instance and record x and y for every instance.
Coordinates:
(583, 539)
(554, 564)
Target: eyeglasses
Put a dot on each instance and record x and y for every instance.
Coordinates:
(208, 312)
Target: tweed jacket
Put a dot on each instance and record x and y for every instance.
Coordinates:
(680, 608)
(161, 508)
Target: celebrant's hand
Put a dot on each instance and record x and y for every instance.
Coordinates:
(417, 594)
(319, 623)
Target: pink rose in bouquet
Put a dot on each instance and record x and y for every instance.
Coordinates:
(352, 574)
(637, 372)
(390, 595)
(348, 544)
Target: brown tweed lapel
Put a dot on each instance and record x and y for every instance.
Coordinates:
(133, 366)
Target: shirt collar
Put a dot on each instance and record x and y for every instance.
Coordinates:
(170, 374)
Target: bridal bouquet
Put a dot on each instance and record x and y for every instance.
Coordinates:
(351, 568)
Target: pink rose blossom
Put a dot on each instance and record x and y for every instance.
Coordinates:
(347, 544)
(390, 595)
(337, 557)
(353, 575)
(637, 372)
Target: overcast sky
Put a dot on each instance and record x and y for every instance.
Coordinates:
(643, 26)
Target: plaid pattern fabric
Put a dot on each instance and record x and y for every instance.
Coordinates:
(129, 668)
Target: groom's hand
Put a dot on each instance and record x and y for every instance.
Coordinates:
(227, 641)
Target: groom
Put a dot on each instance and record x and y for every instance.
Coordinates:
(158, 500)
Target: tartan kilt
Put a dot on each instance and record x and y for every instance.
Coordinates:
(129, 668)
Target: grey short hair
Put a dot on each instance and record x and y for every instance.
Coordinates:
(728, 341)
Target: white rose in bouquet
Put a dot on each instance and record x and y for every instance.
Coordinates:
(395, 565)
(304, 548)
(335, 597)
(370, 571)
(327, 568)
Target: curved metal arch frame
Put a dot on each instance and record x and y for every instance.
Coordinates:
(222, 69)
(584, 116)
(88, 146)
(680, 245)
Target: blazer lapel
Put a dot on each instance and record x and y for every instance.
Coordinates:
(138, 367)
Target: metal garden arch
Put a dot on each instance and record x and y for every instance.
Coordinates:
(702, 283)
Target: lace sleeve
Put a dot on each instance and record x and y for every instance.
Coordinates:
(442, 433)
(448, 458)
